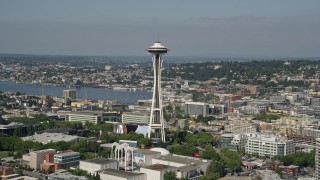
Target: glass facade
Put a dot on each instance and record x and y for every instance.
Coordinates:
(67, 159)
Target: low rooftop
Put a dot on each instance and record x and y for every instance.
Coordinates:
(120, 173)
(145, 151)
(181, 159)
(70, 153)
(45, 138)
(158, 167)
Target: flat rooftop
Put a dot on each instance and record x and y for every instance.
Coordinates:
(158, 167)
(120, 173)
(45, 138)
(67, 154)
(179, 159)
(87, 113)
(145, 152)
(99, 161)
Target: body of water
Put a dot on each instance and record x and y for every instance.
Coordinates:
(126, 97)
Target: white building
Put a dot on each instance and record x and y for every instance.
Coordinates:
(234, 142)
(144, 157)
(93, 117)
(113, 174)
(98, 164)
(135, 117)
(153, 164)
(183, 166)
(157, 171)
(267, 146)
(107, 67)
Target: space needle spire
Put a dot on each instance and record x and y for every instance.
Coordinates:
(156, 122)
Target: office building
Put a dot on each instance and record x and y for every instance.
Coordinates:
(196, 108)
(269, 146)
(67, 159)
(94, 117)
(234, 142)
(135, 117)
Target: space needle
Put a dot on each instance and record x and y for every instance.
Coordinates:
(156, 122)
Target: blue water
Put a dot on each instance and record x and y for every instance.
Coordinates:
(126, 97)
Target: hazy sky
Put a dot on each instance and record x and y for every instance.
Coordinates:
(228, 28)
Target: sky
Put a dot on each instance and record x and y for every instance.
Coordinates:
(215, 28)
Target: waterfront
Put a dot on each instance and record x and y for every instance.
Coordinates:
(126, 97)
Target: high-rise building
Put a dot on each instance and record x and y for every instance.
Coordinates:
(156, 116)
(71, 94)
(317, 159)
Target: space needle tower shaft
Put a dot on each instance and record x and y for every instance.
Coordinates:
(156, 122)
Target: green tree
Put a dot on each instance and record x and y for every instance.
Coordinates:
(209, 153)
(231, 159)
(201, 139)
(183, 149)
(170, 176)
(216, 167)
(144, 142)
